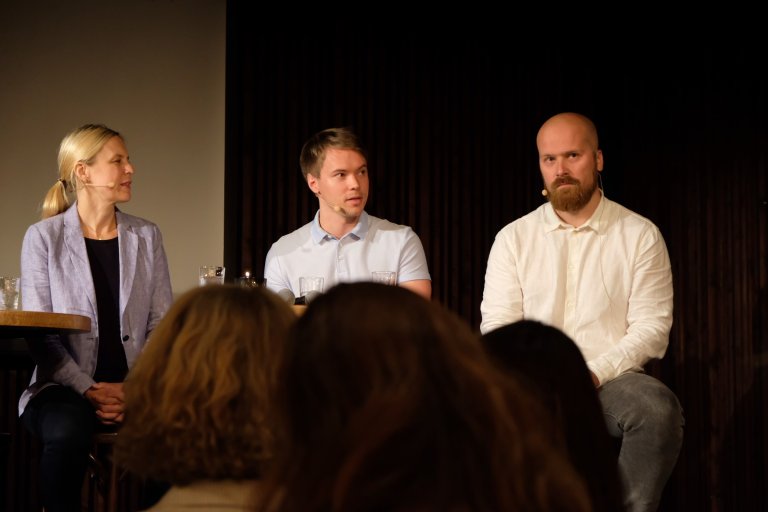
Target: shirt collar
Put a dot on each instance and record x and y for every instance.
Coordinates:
(596, 222)
(319, 234)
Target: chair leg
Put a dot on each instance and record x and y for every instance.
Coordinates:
(102, 494)
(112, 493)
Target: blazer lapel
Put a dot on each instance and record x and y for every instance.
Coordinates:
(129, 249)
(75, 246)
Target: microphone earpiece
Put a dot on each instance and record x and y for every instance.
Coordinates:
(336, 208)
(544, 192)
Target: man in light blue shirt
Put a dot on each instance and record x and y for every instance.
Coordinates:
(343, 243)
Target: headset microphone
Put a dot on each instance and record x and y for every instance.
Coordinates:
(336, 208)
(111, 184)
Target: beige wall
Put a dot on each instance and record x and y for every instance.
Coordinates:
(151, 69)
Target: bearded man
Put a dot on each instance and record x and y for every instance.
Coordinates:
(600, 273)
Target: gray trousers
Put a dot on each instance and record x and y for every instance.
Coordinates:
(647, 417)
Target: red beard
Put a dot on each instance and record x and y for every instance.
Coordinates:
(573, 198)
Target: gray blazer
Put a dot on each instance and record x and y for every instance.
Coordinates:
(56, 277)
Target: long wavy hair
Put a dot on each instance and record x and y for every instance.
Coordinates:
(196, 401)
(386, 401)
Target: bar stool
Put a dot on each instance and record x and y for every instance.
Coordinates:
(109, 487)
(102, 475)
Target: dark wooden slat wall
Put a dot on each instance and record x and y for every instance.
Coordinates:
(20, 486)
(450, 127)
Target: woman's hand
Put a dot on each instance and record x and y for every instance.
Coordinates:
(108, 400)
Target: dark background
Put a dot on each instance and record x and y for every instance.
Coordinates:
(450, 124)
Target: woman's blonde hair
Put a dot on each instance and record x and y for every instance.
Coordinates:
(81, 145)
(196, 401)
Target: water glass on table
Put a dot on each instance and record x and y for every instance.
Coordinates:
(9, 292)
(384, 277)
(310, 287)
(211, 274)
(247, 280)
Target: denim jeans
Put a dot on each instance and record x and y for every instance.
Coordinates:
(647, 417)
(64, 421)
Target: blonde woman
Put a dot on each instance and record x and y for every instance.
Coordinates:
(88, 258)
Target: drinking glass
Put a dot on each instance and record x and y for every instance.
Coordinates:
(310, 284)
(211, 274)
(384, 277)
(9, 292)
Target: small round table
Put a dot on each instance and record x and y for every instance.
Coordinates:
(16, 327)
(16, 323)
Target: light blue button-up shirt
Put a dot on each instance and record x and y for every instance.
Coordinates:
(373, 244)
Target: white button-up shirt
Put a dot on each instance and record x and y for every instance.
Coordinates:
(607, 284)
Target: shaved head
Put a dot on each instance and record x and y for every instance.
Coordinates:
(571, 121)
(570, 160)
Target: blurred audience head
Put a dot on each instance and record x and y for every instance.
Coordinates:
(547, 361)
(386, 401)
(197, 399)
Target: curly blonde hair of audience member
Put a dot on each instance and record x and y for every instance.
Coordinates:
(197, 399)
(386, 401)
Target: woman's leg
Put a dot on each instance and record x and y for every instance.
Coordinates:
(64, 422)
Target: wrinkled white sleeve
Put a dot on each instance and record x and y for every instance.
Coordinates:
(649, 314)
(502, 296)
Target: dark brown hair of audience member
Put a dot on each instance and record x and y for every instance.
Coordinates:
(386, 401)
(196, 400)
(551, 364)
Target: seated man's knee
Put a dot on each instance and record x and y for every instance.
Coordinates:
(656, 405)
